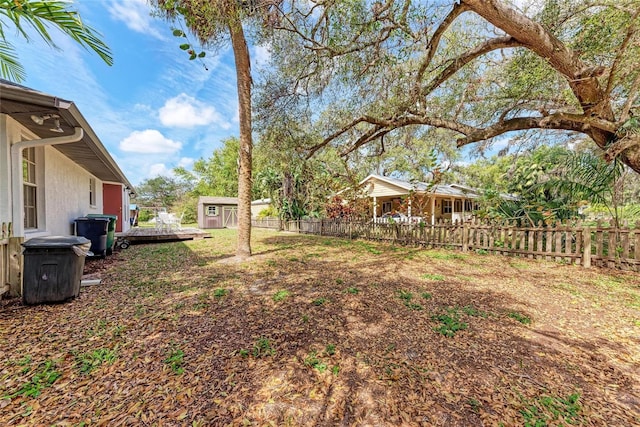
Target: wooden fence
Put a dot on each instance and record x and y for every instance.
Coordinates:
(601, 244)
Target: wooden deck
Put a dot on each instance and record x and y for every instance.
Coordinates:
(148, 234)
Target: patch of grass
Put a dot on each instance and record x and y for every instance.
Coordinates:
(175, 359)
(407, 298)
(330, 349)
(525, 320)
(370, 248)
(44, 376)
(474, 404)
(339, 281)
(426, 295)
(352, 290)
(305, 318)
(481, 251)
(335, 370)
(450, 323)
(472, 311)
(444, 256)
(263, 348)
(98, 329)
(220, 293)
(545, 410)
(319, 301)
(118, 330)
(271, 263)
(314, 362)
(280, 295)
(88, 362)
(437, 277)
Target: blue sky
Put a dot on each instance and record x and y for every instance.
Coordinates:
(153, 109)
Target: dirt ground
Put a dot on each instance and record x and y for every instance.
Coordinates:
(316, 331)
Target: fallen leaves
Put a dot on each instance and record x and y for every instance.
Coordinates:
(161, 340)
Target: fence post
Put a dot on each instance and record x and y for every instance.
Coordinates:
(586, 249)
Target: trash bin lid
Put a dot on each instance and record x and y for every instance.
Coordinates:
(55, 242)
(96, 219)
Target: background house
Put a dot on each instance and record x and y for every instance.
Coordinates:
(259, 205)
(53, 169)
(430, 202)
(217, 212)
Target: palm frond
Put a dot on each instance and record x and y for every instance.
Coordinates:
(38, 14)
(10, 67)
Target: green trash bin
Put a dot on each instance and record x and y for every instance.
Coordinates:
(111, 229)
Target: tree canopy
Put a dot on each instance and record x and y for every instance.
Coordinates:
(480, 70)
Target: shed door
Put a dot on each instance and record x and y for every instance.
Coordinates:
(229, 216)
(112, 202)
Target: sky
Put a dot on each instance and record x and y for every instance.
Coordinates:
(154, 109)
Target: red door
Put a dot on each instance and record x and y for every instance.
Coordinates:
(112, 202)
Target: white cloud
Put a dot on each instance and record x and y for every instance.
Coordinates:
(159, 169)
(136, 16)
(186, 111)
(149, 141)
(261, 55)
(186, 162)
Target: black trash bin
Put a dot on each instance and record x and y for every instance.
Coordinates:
(94, 229)
(111, 229)
(53, 268)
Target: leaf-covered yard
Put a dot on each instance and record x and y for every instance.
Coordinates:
(323, 331)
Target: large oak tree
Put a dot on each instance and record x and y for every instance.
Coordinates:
(481, 69)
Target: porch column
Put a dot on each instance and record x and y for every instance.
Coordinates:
(433, 210)
(409, 208)
(375, 204)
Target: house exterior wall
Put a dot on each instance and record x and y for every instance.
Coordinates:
(66, 192)
(63, 186)
(384, 189)
(257, 208)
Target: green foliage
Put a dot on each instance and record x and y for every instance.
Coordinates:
(87, 362)
(314, 362)
(280, 295)
(352, 290)
(407, 298)
(263, 348)
(44, 376)
(220, 293)
(450, 322)
(437, 277)
(525, 320)
(546, 410)
(175, 359)
(40, 16)
(319, 301)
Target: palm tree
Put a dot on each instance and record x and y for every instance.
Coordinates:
(212, 22)
(40, 15)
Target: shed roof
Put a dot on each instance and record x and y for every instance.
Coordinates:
(211, 200)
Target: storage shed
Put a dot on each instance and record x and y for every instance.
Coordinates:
(217, 212)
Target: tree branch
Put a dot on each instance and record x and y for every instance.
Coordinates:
(461, 61)
(432, 46)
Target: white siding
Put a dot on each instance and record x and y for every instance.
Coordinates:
(66, 192)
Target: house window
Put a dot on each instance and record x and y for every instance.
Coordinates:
(446, 206)
(212, 211)
(457, 206)
(92, 191)
(470, 205)
(29, 188)
(386, 207)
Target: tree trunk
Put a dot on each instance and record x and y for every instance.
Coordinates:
(243, 73)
